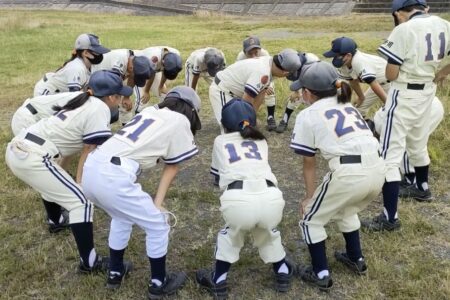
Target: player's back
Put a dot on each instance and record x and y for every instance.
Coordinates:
(44, 104)
(116, 59)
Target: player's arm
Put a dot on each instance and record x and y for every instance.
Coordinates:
(255, 101)
(354, 83)
(195, 78)
(162, 87)
(168, 174)
(87, 148)
(148, 84)
(378, 90)
(392, 71)
(442, 74)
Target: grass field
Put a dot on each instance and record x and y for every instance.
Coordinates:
(413, 263)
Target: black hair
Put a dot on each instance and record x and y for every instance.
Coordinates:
(249, 132)
(344, 97)
(75, 54)
(74, 103)
(413, 7)
(183, 108)
(276, 61)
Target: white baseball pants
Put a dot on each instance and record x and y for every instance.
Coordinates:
(22, 119)
(370, 99)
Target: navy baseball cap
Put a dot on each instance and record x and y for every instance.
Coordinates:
(250, 43)
(214, 61)
(142, 70)
(88, 41)
(172, 65)
(107, 83)
(318, 76)
(236, 112)
(399, 4)
(342, 45)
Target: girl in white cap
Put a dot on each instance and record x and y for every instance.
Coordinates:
(74, 73)
(333, 127)
(80, 125)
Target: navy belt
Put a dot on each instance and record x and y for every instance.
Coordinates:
(115, 160)
(31, 108)
(45, 78)
(415, 86)
(35, 139)
(217, 80)
(350, 159)
(238, 184)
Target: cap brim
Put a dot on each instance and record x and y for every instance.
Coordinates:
(170, 75)
(99, 49)
(331, 54)
(213, 71)
(126, 91)
(295, 86)
(252, 47)
(140, 80)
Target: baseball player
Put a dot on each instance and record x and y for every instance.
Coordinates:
(334, 127)
(356, 66)
(163, 132)
(136, 70)
(294, 99)
(74, 74)
(408, 186)
(414, 51)
(251, 201)
(81, 124)
(166, 62)
(249, 79)
(203, 63)
(252, 49)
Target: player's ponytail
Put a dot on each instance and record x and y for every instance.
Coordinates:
(250, 132)
(75, 102)
(345, 92)
(183, 108)
(75, 54)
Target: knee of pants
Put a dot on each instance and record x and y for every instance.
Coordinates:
(79, 212)
(269, 245)
(349, 224)
(312, 233)
(292, 105)
(119, 234)
(228, 246)
(419, 159)
(157, 242)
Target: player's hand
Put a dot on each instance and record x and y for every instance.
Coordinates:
(359, 101)
(145, 97)
(302, 206)
(126, 103)
(162, 90)
(269, 91)
(439, 78)
(294, 96)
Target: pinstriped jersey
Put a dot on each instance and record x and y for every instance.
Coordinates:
(241, 55)
(333, 129)
(155, 55)
(418, 46)
(74, 75)
(153, 134)
(196, 61)
(69, 130)
(248, 75)
(235, 158)
(365, 68)
(115, 60)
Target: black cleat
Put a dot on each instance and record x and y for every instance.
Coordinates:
(115, 279)
(359, 267)
(217, 290)
(173, 282)
(380, 223)
(64, 224)
(101, 264)
(282, 280)
(271, 124)
(411, 191)
(282, 126)
(307, 274)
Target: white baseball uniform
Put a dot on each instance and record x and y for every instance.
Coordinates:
(114, 60)
(74, 76)
(255, 205)
(436, 116)
(341, 135)
(152, 135)
(37, 108)
(417, 46)
(31, 155)
(251, 76)
(366, 68)
(196, 65)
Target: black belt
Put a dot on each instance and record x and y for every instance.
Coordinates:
(350, 159)
(34, 139)
(115, 160)
(217, 80)
(45, 78)
(32, 110)
(415, 86)
(237, 185)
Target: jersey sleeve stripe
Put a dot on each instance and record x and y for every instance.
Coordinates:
(368, 75)
(181, 157)
(214, 171)
(304, 153)
(251, 88)
(97, 134)
(295, 146)
(74, 84)
(389, 54)
(196, 72)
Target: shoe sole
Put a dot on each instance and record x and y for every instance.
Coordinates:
(211, 292)
(350, 266)
(157, 297)
(282, 287)
(323, 289)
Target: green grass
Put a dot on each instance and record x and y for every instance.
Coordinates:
(413, 263)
